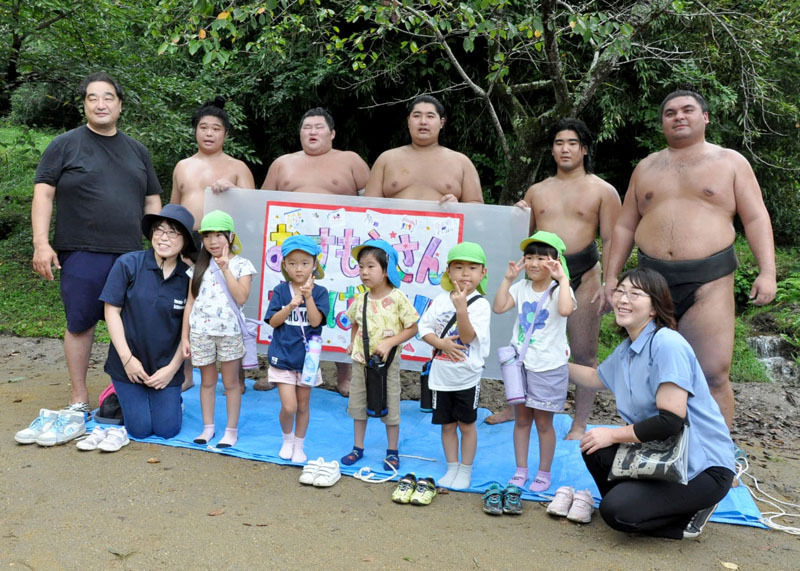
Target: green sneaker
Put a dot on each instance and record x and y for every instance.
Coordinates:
(493, 500)
(405, 489)
(425, 492)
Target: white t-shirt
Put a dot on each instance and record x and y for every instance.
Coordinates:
(211, 312)
(447, 375)
(548, 348)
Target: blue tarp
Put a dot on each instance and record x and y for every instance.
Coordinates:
(330, 435)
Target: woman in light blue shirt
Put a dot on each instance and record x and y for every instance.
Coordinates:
(658, 383)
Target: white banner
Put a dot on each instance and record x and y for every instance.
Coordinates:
(422, 232)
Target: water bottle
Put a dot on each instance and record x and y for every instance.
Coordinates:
(311, 364)
(513, 375)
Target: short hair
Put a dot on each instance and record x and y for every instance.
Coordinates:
(213, 108)
(377, 253)
(317, 112)
(653, 284)
(684, 93)
(99, 76)
(428, 99)
(585, 138)
(540, 249)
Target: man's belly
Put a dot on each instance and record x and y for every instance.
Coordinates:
(684, 235)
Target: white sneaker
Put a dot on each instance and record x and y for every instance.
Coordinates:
(327, 475)
(116, 438)
(40, 424)
(91, 442)
(67, 426)
(310, 471)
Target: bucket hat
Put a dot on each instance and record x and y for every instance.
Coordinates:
(178, 214)
(550, 239)
(307, 245)
(466, 252)
(393, 272)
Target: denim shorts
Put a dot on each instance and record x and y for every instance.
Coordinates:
(83, 276)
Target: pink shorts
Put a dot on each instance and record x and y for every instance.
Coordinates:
(289, 377)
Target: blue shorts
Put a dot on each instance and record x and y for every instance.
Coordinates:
(83, 275)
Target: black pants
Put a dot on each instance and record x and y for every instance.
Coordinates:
(660, 509)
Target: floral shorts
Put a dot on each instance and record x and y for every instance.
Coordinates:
(208, 349)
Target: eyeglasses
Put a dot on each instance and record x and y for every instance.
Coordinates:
(169, 233)
(632, 295)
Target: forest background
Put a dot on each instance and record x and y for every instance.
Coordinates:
(506, 71)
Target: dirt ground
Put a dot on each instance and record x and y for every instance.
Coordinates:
(157, 507)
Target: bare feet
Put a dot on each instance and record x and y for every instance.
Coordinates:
(575, 433)
(188, 383)
(505, 415)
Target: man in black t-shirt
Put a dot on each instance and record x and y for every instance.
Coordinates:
(103, 183)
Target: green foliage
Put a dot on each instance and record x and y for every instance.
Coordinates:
(745, 366)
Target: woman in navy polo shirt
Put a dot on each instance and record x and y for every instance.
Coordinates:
(657, 382)
(145, 295)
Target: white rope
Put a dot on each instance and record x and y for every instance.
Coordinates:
(366, 474)
(742, 469)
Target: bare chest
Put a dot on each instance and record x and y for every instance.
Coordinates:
(432, 171)
(555, 204)
(317, 174)
(701, 183)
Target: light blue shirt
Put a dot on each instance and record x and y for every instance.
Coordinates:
(634, 371)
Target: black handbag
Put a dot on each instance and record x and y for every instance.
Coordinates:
(375, 372)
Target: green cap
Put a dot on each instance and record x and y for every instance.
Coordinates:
(216, 221)
(550, 239)
(466, 252)
(219, 221)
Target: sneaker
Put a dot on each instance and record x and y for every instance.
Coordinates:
(40, 424)
(561, 501)
(310, 471)
(116, 438)
(68, 425)
(90, 442)
(695, 526)
(405, 489)
(512, 501)
(327, 475)
(424, 493)
(493, 500)
(582, 507)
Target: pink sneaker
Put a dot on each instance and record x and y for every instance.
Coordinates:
(582, 507)
(561, 502)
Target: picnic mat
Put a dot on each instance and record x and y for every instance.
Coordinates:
(330, 436)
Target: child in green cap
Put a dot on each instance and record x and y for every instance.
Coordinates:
(456, 325)
(211, 328)
(545, 364)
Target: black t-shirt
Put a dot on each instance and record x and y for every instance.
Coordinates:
(101, 183)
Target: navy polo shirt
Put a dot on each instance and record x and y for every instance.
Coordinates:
(152, 311)
(287, 350)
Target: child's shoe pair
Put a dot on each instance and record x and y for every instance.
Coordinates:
(109, 439)
(320, 474)
(418, 492)
(575, 506)
(498, 501)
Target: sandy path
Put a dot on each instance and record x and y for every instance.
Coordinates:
(63, 509)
